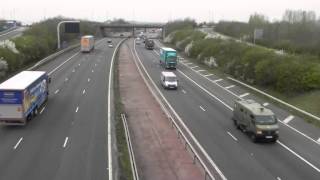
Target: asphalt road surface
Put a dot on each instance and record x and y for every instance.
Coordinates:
(12, 34)
(68, 139)
(206, 108)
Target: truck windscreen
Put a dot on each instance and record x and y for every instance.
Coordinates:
(265, 119)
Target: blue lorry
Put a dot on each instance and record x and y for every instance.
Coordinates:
(22, 96)
(168, 58)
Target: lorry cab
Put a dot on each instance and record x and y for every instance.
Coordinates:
(256, 120)
(169, 80)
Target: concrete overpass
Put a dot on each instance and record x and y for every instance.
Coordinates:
(132, 27)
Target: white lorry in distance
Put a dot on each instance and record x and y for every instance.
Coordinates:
(87, 43)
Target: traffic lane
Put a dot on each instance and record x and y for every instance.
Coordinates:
(312, 173)
(12, 34)
(307, 148)
(53, 119)
(44, 134)
(86, 154)
(208, 129)
(299, 142)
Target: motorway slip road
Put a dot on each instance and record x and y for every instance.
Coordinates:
(68, 139)
(207, 110)
(158, 151)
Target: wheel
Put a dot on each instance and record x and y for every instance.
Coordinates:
(236, 124)
(253, 137)
(35, 112)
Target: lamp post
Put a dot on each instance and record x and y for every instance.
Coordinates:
(58, 30)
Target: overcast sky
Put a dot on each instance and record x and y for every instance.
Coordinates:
(151, 10)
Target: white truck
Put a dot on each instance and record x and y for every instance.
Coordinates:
(22, 96)
(169, 80)
(87, 43)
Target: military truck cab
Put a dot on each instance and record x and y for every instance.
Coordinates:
(256, 120)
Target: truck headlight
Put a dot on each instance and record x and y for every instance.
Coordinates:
(259, 132)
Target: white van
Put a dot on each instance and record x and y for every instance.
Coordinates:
(169, 80)
(87, 43)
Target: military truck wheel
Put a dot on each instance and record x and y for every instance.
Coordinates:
(253, 137)
(236, 124)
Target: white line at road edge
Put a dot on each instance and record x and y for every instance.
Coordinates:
(286, 147)
(55, 69)
(230, 108)
(181, 121)
(109, 112)
(15, 147)
(65, 142)
(232, 136)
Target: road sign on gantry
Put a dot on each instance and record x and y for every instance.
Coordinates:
(72, 27)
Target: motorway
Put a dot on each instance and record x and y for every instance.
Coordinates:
(205, 105)
(12, 34)
(68, 139)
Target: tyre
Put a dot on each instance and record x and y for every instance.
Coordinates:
(236, 124)
(253, 137)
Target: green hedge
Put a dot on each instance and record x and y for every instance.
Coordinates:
(285, 73)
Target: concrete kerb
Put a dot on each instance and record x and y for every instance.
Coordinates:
(276, 99)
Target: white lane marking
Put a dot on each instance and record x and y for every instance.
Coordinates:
(207, 75)
(318, 140)
(278, 178)
(77, 109)
(185, 92)
(265, 104)
(201, 70)
(42, 110)
(95, 64)
(244, 95)
(202, 108)
(73, 70)
(232, 136)
(88, 79)
(15, 147)
(65, 142)
(231, 86)
(205, 90)
(56, 92)
(84, 91)
(92, 70)
(181, 121)
(55, 69)
(300, 157)
(194, 67)
(218, 80)
(79, 64)
(288, 119)
(109, 134)
(66, 79)
(188, 63)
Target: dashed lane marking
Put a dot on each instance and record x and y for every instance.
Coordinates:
(231, 86)
(265, 104)
(244, 95)
(288, 119)
(65, 142)
(218, 80)
(202, 108)
(77, 109)
(233, 137)
(57, 91)
(16, 146)
(208, 75)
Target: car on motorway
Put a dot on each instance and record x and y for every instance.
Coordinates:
(169, 80)
(110, 45)
(109, 41)
(256, 120)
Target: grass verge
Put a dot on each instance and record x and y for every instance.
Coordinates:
(123, 154)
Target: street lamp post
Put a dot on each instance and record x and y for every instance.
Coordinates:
(58, 30)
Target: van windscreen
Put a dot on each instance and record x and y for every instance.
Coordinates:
(170, 79)
(265, 119)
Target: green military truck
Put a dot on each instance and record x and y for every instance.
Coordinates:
(256, 120)
(168, 58)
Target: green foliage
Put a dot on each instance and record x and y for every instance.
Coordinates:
(297, 32)
(180, 24)
(290, 74)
